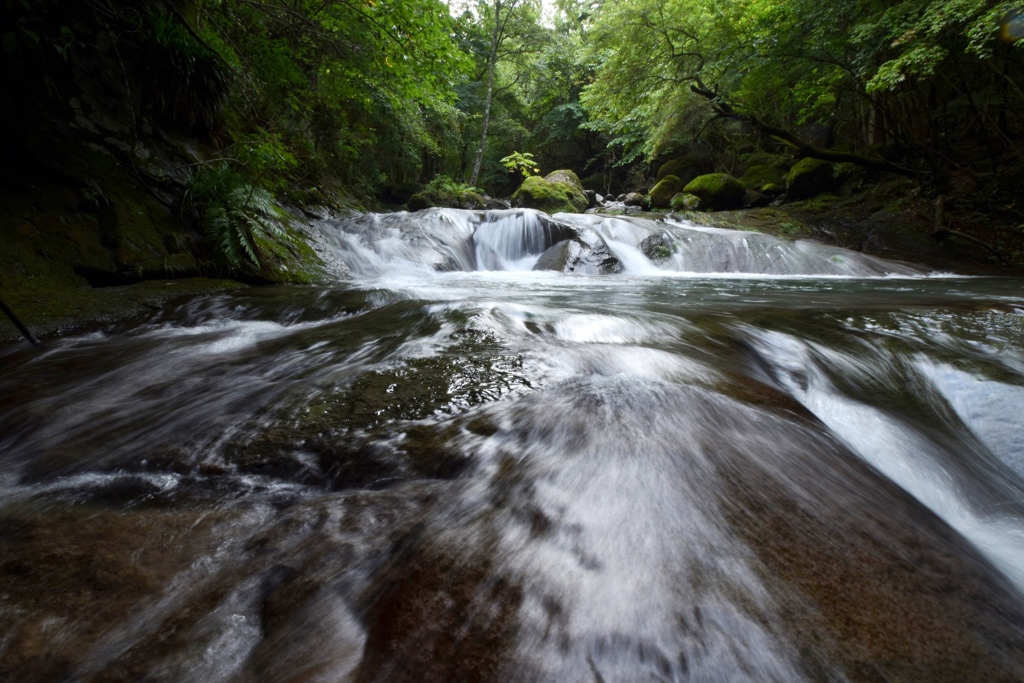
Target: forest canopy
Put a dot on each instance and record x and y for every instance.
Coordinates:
(372, 99)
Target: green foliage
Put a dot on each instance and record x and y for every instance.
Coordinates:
(235, 216)
(445, 191)
(660, 253)
(928, 77)
(522, 163)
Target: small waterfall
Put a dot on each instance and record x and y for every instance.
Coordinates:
(442, 240)
(374, 244)
(512, 240)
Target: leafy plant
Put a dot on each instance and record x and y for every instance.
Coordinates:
(522, 162)
(235, 216)
(444, 191)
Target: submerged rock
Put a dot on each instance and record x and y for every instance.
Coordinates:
(585, 254)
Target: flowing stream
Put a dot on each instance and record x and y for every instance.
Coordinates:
(513, 447)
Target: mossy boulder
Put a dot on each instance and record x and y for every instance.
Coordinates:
(472, 201)
(564, 194)
(686, 168)
(719, 191)
(420, 201)
(757, 177)
(687, 202)
(667, 188)
(636, 199)
(565, 176)
(809, 178)
(766, 159)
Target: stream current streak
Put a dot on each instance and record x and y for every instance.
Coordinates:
(496, 474)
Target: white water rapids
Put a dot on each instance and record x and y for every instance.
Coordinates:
(516, 447)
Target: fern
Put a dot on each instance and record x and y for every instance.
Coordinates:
(234, 215)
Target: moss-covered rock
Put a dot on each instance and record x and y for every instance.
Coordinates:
(662, 193)
(565, 176)
(636, 199)
(757, 177)
(719, 191)
(809, 178)
(551, 196)
(472, 201)
(687, 202)
(752, 159)
(686, 168)
(420, 201)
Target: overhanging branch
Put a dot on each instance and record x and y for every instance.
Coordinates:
(725, 110)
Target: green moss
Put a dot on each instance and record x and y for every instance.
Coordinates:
(420, 201)
(444, 191)
(550, 197)
(686, 202)
(757, 177)
(686, 168)
(809, 178)
(662, 193)
(718, 190)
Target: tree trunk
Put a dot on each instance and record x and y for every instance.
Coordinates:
(491, 62)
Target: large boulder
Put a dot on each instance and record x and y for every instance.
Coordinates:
(686, 168)
(662, 193)
(758, 177)
(718, 191)
(559, 191)
(809, 178)
(420, 201)
(635, 199)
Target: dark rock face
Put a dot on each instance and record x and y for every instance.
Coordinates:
(493, 204)
(809, 178)
(586, 254)
(652, 245)
(753, 198)
(686, 168)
